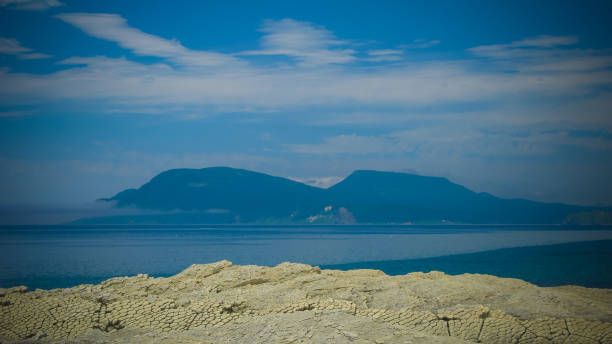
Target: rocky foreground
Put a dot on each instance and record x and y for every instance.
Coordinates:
(295, 303)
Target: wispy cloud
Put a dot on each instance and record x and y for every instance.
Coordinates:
(499, 105)
(530, 47)
(320, 182)
(544, 55)
(420, 44)
(381, 55)
(34, 56)
(12, 46)
(311, 45)
(475, 134)
(30, 5)
(214, 81)
(544, 41)
(385, 52)
(114, 28)
(127, 83)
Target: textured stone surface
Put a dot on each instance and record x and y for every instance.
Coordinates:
(294, 303)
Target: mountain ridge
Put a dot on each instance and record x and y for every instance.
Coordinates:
(229, 195)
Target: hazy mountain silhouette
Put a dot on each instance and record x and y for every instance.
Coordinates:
(227, 195)
(374, 196)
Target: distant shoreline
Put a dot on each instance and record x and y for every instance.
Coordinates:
(294, 225)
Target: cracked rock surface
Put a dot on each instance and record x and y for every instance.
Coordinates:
(296, 303)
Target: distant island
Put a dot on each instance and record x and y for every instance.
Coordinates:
(223, 195)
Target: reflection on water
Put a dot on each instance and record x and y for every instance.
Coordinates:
(57, 256)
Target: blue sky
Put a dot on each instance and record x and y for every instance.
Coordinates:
(510, 98)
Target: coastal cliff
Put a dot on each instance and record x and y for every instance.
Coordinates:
(296, 303)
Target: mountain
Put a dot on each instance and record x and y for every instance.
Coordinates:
(227, 195)
(375, 197)
(223, 193)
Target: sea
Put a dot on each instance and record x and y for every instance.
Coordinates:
(62, 256)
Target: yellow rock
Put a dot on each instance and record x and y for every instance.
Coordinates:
(223, 303)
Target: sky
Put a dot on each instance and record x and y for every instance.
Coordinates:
(512, 98)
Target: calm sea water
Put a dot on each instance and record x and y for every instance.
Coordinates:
(64, 256)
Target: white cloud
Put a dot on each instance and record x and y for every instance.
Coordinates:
(32, 5)
(114, 28)
(236, 84)
(310, 44)
(576, 63)
(12, 47)
(383, 58)
(531, 47)
(545, 55)
(34, 56)
(545, 41)
(421, 104)
(124, 83)
(456, 138)
(385, 52)
(382, 55)
(319, 182)
(420, 44)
